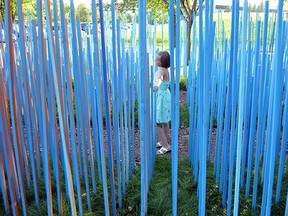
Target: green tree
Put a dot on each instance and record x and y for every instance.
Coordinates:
(187, 9)
(13, 5)
(29, 9)
(82, 12)
(67, 11)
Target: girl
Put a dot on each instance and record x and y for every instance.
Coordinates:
(163, 101)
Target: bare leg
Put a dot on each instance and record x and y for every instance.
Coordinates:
(162, 136)
(166, 131)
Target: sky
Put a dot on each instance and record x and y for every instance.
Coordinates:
(222, 2)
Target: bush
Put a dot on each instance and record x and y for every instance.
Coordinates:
(183, 83)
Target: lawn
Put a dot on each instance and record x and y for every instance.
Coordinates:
(222, 20)
(159, 197)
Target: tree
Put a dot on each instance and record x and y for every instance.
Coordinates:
(29, 9)
(82, 12)
(13, 5)
(187, 9)
(67, 11)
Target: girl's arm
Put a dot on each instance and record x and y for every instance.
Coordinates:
(159, 78)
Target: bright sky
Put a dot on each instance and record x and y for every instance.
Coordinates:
(272, 2)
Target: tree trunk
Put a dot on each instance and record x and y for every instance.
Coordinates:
(189, 26)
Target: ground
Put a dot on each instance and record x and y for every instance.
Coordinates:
(183, 136)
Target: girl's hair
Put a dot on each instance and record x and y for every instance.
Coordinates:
(164, 58)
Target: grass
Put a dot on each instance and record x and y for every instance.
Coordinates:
(222, 20)
(160, 193)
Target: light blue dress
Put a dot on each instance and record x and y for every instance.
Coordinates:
(163, 103)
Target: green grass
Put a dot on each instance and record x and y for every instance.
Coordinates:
(184, 116)
(160, 193)
(159, 196)
(222, 20)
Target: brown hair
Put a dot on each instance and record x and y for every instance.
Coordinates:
(164, 58)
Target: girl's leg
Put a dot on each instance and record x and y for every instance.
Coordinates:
(167, 131)
(162, 136)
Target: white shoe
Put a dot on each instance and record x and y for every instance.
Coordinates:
(162, 151)
(158, 145)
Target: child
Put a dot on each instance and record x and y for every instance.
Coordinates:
(163, 100)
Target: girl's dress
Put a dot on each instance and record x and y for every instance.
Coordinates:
(163, 103)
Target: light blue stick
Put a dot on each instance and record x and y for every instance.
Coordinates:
(175, 108)
(85, 126)
(115, 104)
(99, 108)
(141, 105)
(67, 171)
(284, 142)
(277, 85)
(234, 99)
(261, 112)
(224, 164)
(254, 107)
(120, 107)
(220, 112)
(241, 104)
(247, 105)
(107, 111)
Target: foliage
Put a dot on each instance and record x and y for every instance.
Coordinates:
(157, 7)
(83, 13)
(13, 5)
(29, 8)
(67, 11)
(183, 84)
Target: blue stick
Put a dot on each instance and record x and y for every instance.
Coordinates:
(277, 84)
(241, 102)
(261, 117)
(60, 112)
(115, 106)
(11, 82)
(175, 108)
(284, 143)
(107, 111)
(142, 107)
(28, 101)
(254, 107)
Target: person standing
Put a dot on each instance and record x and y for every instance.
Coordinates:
(163, 101)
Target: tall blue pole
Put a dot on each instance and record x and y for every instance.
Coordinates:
(241, 103)
(143, 74)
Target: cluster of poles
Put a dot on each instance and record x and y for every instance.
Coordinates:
(67, 106)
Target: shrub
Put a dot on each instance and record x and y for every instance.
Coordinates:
(183, 83)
